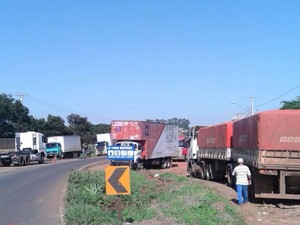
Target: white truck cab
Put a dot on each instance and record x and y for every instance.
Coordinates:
(136, 163)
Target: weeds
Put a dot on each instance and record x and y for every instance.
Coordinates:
(177, 197)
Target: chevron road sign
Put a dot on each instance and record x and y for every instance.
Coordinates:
(117, 180)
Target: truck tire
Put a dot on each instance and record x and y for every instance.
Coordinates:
(169, 163)
(163, 164)
(230, 179)
(42, 160)
(202, 171)
(208, 172)
(27, 161)
(22, 161)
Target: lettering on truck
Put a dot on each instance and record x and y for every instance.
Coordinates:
(210, 140)
(289, 139)
(243, 139)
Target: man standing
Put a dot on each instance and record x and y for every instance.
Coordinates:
(243, 179)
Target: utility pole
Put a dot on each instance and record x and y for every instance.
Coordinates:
(252, 105)
(21, 96)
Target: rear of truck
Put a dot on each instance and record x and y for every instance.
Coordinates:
(214, 154)
(158, 142)
(7, 148)
(269, 143)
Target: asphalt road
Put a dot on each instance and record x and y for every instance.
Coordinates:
(31, 195)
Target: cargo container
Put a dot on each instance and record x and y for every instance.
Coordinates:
(213, 151)
(155, 143)
(68, 146)
(269, 143)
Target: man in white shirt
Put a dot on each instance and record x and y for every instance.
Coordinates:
(243, 179)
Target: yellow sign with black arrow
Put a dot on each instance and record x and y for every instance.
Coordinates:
(117, 180)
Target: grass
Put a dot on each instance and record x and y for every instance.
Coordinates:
(177, 197)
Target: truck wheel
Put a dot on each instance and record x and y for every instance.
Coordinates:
(207, 172)
(42, 159)
(27, 160)
(163, 164)
(22, 161)
(169, 163)
(229, 176)
(202, 172)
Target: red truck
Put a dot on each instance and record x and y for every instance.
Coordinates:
(154, 143)
(269, 143)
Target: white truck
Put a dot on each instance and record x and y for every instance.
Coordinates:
(68, 146)
(103, 141)
(30, 141)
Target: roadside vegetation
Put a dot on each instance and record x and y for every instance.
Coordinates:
(168, 195)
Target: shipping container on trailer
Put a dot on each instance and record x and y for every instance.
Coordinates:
(159, 142)
(213, 151)
(269, 142)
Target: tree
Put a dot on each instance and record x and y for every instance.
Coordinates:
(81, 126)
(101, 128)
(294, 104)
(182, 123)
(55, 126)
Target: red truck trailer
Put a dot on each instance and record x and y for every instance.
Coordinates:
(269, 142)
(214, 152)
(155, 144)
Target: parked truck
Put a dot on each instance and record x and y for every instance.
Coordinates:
(68, 146)
(269, 143)
(103, 141)
(182, 149)
(29, 147)
(7, 146)
(154, 143)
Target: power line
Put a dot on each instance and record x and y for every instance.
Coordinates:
(278, 96)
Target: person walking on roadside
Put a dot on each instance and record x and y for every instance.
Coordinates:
(243, 179)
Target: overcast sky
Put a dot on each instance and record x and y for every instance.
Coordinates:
(155, 59)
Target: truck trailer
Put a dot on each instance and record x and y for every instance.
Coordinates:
(7, 146)
(269, 143)
(68, 146)
(154, 143)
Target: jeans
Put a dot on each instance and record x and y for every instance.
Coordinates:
(242, 193)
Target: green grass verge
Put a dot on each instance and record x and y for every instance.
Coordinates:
(177, 197)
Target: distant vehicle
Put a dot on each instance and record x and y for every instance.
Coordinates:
(31, 141)
(182, 149)
(103, 141)
(7, 145)
(26, 156)
(155, 143)
(68, 146)
(30, 147)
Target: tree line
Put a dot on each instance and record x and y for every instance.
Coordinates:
(15, 117)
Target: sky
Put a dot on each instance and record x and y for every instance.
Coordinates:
(150, 59)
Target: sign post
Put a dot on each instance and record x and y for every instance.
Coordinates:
(118, 177)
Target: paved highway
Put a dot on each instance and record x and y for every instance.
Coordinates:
(31, 195)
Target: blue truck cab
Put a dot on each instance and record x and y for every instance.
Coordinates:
(53, 149)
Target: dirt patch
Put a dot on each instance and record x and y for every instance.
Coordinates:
(264, 214)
